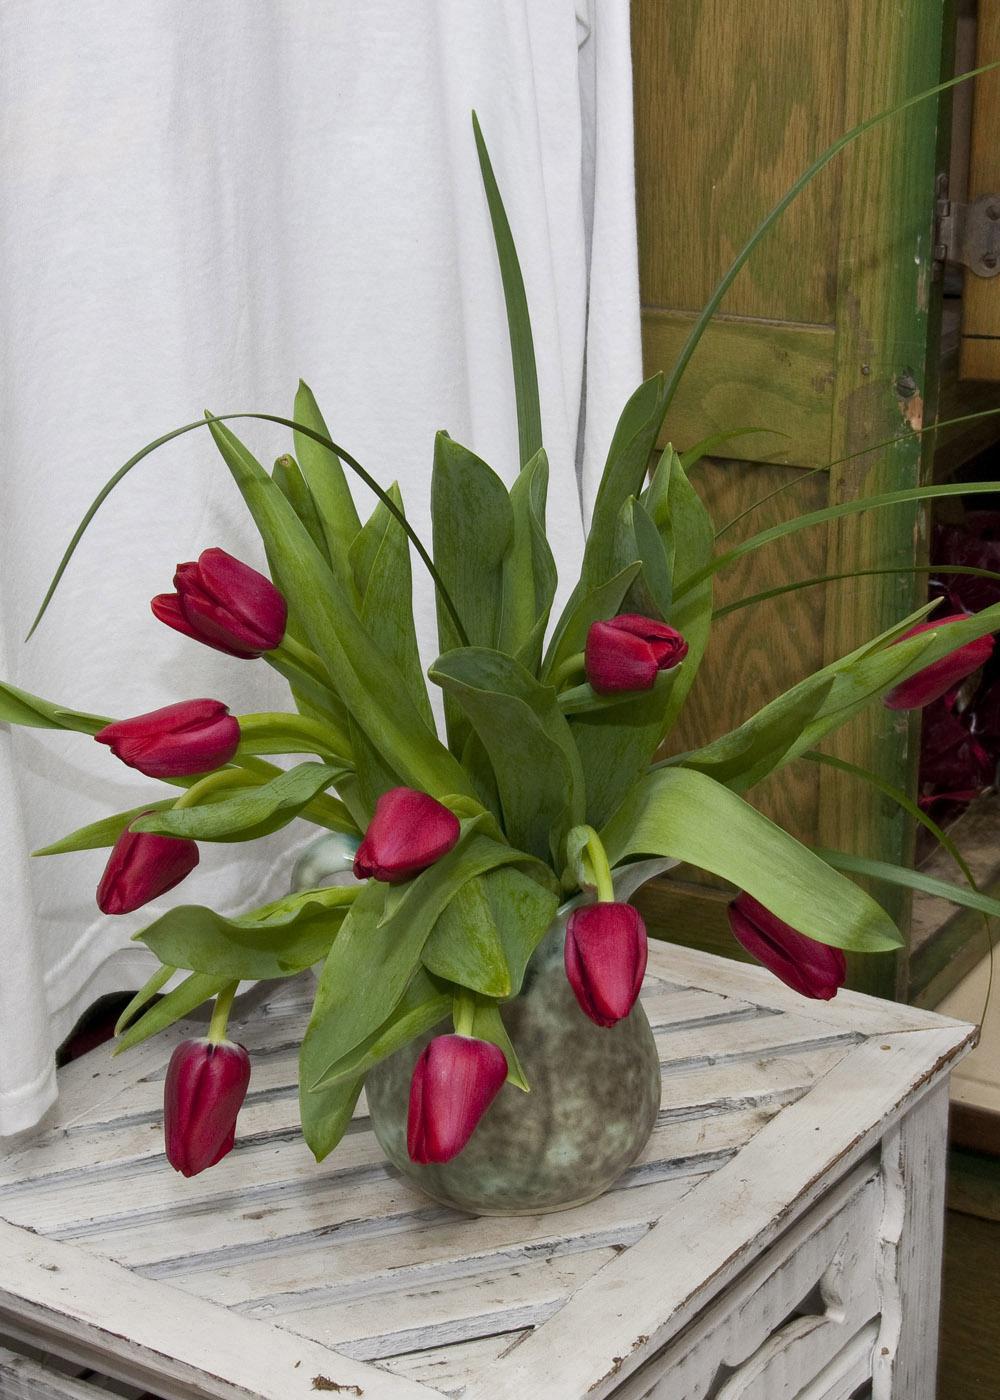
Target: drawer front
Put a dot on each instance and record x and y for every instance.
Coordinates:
(799, 1324)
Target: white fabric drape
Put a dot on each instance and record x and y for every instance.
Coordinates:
(201, 203)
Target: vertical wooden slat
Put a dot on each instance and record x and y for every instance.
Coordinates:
(886, 383)
(980, 347)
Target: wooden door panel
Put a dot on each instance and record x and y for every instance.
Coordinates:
(980, 346)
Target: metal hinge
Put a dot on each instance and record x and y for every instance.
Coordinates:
(968, 234)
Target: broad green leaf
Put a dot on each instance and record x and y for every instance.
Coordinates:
(193, 992)
(464, 946)
(380, 559)
(293, 487)
(583, 608)
(367, 680)
(911, 879)
(486, 935)
(522, 350)
(528, 741)
(617, 742)
(324, 474)
(275, 941)
(249, 813)
(101, 833)
(487, 1024)
(473, 529)
(326, 1114)
(350, 1002)
(529, 570)
(424, 1005)
(20, 707)
(638, 540)
(677, 812)
(624, 473)
(686, 529)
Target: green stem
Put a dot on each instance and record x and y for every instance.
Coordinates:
(567, 671)
(464, 1011)
(220, 1015)
(225, 777)
(331, 813)
(602, 870)
(299, 658)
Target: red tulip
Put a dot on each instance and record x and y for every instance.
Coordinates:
(409, 831)
(142, 866)
(204, 1091)
(225, 604)
(814, 969)
(626, 652)
(932, 682)
(193, 736)
(454, 1082)
(605, 956)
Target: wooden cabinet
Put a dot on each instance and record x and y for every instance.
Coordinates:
(831, 335)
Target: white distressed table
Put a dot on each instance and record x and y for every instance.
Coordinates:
(780, 1236)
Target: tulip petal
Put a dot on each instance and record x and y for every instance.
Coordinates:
(193, 736)
(454, 1082)
(813, 969)
(408, 832)
(936, 679)
(605, 957)
(205, 1087)
(141, 867)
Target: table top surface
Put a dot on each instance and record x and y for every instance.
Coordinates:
(277, 1277)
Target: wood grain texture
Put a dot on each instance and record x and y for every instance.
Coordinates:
(970, 1339)
(980, 354)
(22, 1378)
(748, 373)
(886, 383)
(732, 102)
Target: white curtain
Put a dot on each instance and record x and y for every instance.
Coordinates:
(203, 202)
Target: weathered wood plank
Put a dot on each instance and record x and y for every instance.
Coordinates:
(777, 373)
(24, 1379)
(980, 353)
(92, 1310)
(741, 1207)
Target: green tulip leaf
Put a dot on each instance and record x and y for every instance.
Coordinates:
(101, 833)
(367, 680)
(324, 474)
(912, 880)
(529, 570)
(424, 1005)
(21, 707)
(464, 946)
(487, 1024)
(637, 540)
(617, 741)
(292, 484)
(528, 741)
(686, 815)
(326, 1114)
(275, 941)
(250, 812)
(193, 992)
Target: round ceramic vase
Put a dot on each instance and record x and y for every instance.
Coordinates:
(594, 1097)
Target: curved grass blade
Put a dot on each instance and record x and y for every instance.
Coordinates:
(730, 275)
(302, 428)
(909, 879)
(851, 573)
(522, 348)
(862, 452)
(821, 517)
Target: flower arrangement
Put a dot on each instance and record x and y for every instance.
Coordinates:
(545, 782)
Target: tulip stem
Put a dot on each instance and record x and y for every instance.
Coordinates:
(568, 672)
(223, 778)
(300, 658)
(598, 858)
(220, 1015)
(463, 1011)
(294, 733)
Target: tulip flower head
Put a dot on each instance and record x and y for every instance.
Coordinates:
(939, 677)
(225, 604)
(141, 867)
(605, 956)
(409, 831)
(454, 1082)
(205, 1087)
(193, 736)
(627, 652)
(814, 969)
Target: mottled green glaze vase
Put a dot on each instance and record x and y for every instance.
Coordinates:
(595, 1094)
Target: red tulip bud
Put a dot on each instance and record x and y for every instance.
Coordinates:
(225, 604)
(204, 1091)
(408, 832)
(932, 682)
(454, 1082)
(193, 736)
(814, 969)
(605, 955)
(626, 652)
(142, 866)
